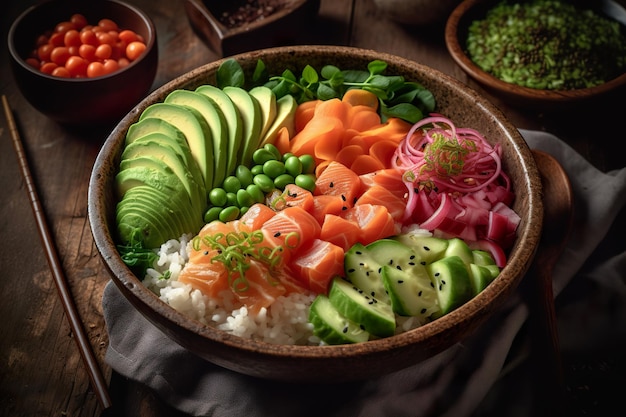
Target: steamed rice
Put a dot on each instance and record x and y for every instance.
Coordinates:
(284, 322)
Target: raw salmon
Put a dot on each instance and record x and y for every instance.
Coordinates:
(374, 221)
(337, 179)
(340, 231)
(379, 195)
(293, 227)
(317, 263)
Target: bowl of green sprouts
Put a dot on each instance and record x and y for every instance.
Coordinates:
(543, 53)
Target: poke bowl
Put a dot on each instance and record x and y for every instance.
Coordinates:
(279, 242)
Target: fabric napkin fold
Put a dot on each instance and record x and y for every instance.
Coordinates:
(469, 377)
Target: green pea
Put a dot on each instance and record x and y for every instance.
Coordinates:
(262, 155)
(271, 148)
(231, 184)
(217, 197)
(293, 165)
(273, 168)
(212, 214)
(256, 193)
(287, 155)
(308, 164)
(265, 183)
(257, 169)
(244, 175)
(244, 198)
(283, 180)
(229, 214)
(231, 199)
(243, 210)
(306, 181)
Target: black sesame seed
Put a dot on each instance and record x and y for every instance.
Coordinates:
(345, 329)
(423, 311)
(400, 281)
(331, 185)
(277, 234)
(419, 294)
(426, 248)
(351, 270)
(343, 197)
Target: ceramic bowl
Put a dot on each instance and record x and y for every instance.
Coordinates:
(342, 362)
(82, 101)
(455, 37)
(284, 25)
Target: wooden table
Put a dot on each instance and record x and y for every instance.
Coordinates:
(41, 372)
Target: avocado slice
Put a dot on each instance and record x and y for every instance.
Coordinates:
(154, 153)
(251, 119)
(267, 103)
(152, 125)
(285, 117)
(217, 125)
(196, 131)
(233, 120)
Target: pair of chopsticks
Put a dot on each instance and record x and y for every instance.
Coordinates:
(97, 380)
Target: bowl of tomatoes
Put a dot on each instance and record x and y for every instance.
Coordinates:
(83, 63)
(328, 230)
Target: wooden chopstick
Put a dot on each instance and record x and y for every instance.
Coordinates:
(97, 380)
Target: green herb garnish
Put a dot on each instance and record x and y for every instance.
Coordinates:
(397, 97)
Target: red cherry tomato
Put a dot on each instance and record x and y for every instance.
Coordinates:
(48, 67)
(105, 38)
(87, 51)
(76, 66)
(43, 52)
(59, 55)
(64, 27)
(134, 50)
(108, 24)
(72, 38)
(61, 72)
(104, 51)
(33, 62)
(79, 21)
(57, 39)
(95, 69)
(110, 66)
(128, 36)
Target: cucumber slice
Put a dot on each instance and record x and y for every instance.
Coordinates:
(411, 292)
(331, 326)
(458, 247)
(480, 277)
(427, 248)
(363, 271)
(353, 303)
(482, 257)
(452, 282)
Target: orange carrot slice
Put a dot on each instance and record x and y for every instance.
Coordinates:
(304, 114)
(357, 97)
(364, 164)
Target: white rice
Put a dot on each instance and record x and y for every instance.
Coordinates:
(285, 322)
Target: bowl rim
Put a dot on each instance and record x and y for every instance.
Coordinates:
(17, 58)
(477, 307)
(457, 52)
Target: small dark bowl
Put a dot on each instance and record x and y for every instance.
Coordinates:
(286, 26)
(326, 364)
(82, 101)
(456, 32)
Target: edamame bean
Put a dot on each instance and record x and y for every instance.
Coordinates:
(262, 155)
(229, 214)
(256, 170)
(217, 197)
(308, 164)
(283, 180)
(231, 184)
(273, 168)
(271, 148)
(265, 183)
(212, 214)
(231, 199)
(293, 166)
(256, 193)
(244, 198)
(306, 181)
(244, 175)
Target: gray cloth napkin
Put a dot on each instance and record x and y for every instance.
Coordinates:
(464, 379)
